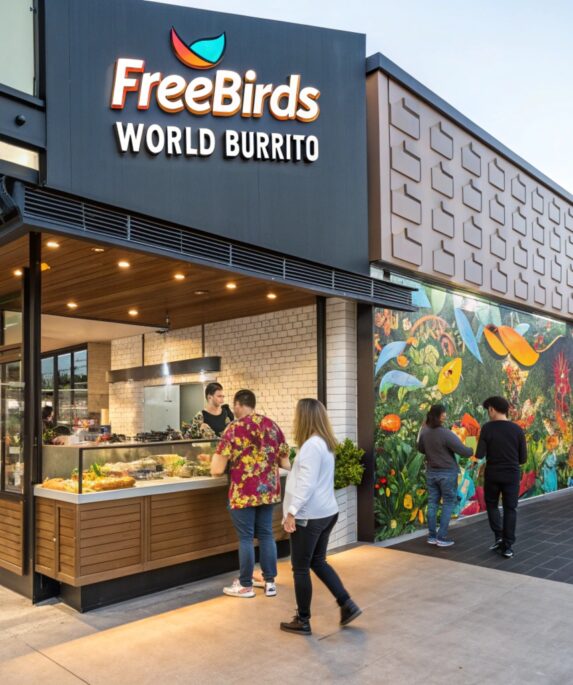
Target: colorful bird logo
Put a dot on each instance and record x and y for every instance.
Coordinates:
(201, 54)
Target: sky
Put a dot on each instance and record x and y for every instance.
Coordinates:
(505, 64)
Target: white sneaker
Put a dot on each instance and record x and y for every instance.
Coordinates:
(258, 582)
(237, 590)
(270, 590)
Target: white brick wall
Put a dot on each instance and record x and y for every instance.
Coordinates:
(341, 368)
(345, 530)
(272, 354)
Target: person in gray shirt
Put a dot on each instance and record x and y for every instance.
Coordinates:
(440, 446)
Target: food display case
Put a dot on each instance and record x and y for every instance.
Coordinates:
(142, 516)
(120, 466)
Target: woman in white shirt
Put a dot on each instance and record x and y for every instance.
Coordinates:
(310, 512)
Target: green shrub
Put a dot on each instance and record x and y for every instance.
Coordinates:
(348, 469)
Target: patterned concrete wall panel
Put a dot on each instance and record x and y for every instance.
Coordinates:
(497, 210)
(518, 189)
(520, 255)
(519, 221)
(459, 212)
(404, 115)
(406, 204)
(405, 160)
(521, 289)
(473, 234)
(443, 221)
(496, 174)
(442, 141)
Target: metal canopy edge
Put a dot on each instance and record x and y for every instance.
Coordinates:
(68, 215)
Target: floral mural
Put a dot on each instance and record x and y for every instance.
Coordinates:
(458, 350)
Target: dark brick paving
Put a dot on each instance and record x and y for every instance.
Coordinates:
(544, 546)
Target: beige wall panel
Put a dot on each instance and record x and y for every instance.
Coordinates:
(458, 212)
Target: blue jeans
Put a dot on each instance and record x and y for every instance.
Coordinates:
(442, 484)
(250, 523)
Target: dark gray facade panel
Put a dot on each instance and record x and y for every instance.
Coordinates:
(22, 119)
(312, 210)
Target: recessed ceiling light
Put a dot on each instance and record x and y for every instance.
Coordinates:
(133, 312)
(72, 305)
(18, 272)
(124, 264)
(200, 292)
(98, 249)
(179, 277)
(52, 244)
(45, 266)
(231, 286)
(271, 296)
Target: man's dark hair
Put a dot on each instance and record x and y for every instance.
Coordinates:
(47, 411)
(212, 388)
(433, 416)
(246, 398)
(500, 404)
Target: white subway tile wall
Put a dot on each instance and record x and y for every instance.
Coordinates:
(341, 367)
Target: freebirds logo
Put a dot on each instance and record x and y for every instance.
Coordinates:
(226, 94)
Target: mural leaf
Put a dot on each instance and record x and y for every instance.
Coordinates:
(400, 378)
(389, 351)
(438, 300)
(488, 314)
(467, 334)
(518, 346)
(494, 342)
(420, 299)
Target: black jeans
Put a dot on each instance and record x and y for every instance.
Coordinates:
(308, 551)
(505, 484)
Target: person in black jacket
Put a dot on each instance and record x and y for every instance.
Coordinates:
(440, 446)
(503, 444)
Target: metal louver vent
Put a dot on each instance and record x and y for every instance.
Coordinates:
(64, 214)
(309, 273)
(257, 261)
(350, 283)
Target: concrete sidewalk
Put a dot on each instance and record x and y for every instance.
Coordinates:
(425, 620)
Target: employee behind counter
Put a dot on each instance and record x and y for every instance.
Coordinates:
(51, 432)
(211, 421)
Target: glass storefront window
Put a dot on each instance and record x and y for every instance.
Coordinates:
(48, 382)
(80, 381)
(65, 386)
(12, 426)
(17, 47)
(11, 328)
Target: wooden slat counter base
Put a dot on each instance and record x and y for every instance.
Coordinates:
(12, 535)
(82, 544)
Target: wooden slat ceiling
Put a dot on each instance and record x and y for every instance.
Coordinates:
(105, 292)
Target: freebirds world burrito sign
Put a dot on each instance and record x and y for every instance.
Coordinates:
(222, 93)
(242, 128)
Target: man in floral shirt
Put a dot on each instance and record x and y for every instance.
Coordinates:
(254, 447)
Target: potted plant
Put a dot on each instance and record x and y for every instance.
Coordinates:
(348, 472)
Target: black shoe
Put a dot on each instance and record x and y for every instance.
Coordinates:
(507, 552)
(497, 544)
(348, 612)
(297, 625)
